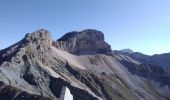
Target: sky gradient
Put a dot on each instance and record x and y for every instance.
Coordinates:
(141, 25)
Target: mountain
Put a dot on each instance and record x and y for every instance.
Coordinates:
(127, 50)
(77, 66)
(88, 41)
(162, 60)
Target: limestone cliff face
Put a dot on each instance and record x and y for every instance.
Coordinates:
(84, 42)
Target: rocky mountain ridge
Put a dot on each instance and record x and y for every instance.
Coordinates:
(38, 69)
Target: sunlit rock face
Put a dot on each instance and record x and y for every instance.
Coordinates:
(84, 42)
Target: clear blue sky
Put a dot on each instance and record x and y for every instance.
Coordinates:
(142, 25)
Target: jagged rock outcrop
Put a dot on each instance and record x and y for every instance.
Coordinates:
(40, 37)
(84, 42)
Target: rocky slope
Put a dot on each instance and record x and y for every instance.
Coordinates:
(79, 62)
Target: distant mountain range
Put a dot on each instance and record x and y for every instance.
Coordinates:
(162, 60)
(80, 66)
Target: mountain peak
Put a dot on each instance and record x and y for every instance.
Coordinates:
(89, 33)
(39, 39)
(127, 50)
(40, 36)
(87, 41)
